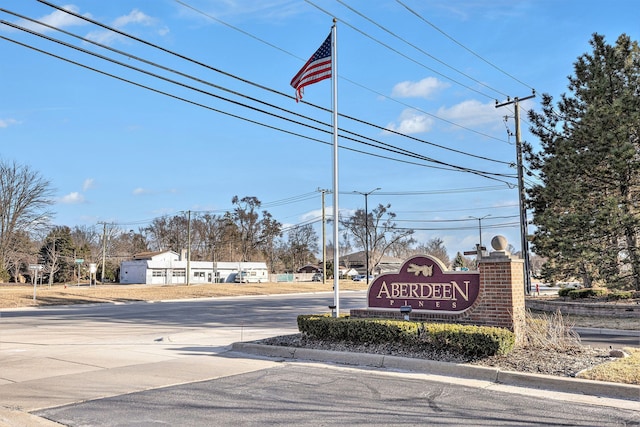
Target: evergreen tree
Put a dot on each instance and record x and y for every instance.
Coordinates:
(57, 255)
(587, 208)
(458, 261)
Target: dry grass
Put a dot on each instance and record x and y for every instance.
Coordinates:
(13, 296)
(625, 370)
(550, 332)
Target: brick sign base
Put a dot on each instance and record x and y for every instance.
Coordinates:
(491, 296)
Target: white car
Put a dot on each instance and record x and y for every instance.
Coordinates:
(573, 285)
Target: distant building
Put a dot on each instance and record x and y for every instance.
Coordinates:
(357, 261)
(170, 268)
(309, 268)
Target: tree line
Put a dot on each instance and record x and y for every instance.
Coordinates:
(245, 233)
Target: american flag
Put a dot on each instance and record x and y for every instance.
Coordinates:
(317, 68)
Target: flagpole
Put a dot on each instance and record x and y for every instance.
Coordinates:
(334, 84)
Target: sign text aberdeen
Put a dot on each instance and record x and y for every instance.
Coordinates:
(423, 284)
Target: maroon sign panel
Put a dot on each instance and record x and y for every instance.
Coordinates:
(422, 284)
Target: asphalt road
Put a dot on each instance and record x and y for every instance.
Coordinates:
(602, 338)
(316, 396)
(168, 363)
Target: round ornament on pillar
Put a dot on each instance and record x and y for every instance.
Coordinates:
(499, 243)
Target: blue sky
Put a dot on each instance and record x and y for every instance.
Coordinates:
(123, 154)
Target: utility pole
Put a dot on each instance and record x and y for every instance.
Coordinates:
(104, 252)
(324, 240)
(521, 193)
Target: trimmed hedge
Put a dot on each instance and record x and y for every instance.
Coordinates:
(564, 292)
(468, 340)
(619, 295)
(587, 293)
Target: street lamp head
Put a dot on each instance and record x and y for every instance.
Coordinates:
(368, 192)
(479, 218)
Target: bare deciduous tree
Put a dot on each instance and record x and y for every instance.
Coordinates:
(379, 229)
(25, 197)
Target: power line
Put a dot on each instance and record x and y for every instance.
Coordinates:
(364, 87)
(452, 220)
(228, 75)
(355, 83)
(461, 45)
(399, 53)
(447, 166)
(471, 227)
(397, 101)
(247, 81)
(473, 209)
(418, 48)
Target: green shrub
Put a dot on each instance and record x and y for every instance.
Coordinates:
(619, 295)
(564, 292)
(467, 340)
(357, 330)
(587, 293)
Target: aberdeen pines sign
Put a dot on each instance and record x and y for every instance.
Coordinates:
(423, 284)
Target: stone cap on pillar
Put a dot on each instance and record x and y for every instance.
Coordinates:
(500, 252)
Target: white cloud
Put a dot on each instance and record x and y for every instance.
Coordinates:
(140, 191)
(88, 184)
(425, 88)
(103, 36)
(5, 123)
(134, 17)
(72, 198)
(411, 122)
(472, 113)
(57, 18)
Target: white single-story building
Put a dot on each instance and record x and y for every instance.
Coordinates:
(169, 268)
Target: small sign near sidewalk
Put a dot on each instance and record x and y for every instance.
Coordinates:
(34, 279)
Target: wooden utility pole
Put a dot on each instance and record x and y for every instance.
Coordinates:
(521, 192)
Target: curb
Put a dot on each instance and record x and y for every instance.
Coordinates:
(482, 373)
(14, 417)
(601, 331)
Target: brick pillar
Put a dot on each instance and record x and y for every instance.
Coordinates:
(501, 290)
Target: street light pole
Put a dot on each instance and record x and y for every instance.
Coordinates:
(480, 228)
(366, 230)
